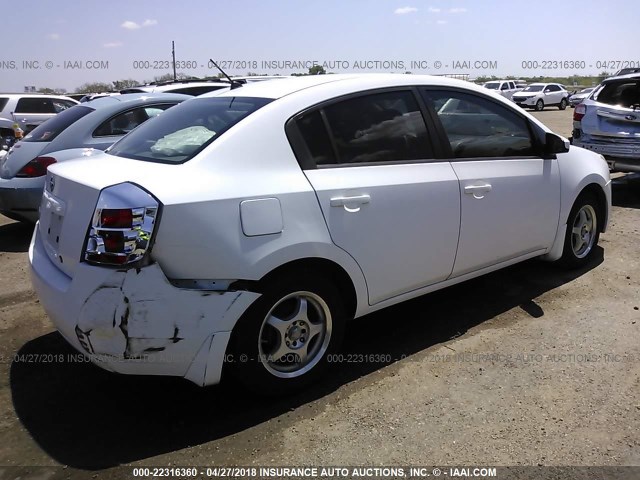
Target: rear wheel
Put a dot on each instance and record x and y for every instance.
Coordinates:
(582, 232)
(539, 105)
(283, 341)
(563, 104)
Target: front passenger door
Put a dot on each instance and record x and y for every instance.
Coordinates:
(509, 194)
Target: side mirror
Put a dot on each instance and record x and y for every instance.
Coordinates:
(555, 144)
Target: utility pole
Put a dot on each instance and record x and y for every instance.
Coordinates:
(173, 55)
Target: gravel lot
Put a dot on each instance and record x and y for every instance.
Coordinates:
(527, 366)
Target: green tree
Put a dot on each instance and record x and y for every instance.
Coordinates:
(126, 83)
(95, 87)
(317, 70)
(52, 91)
(168, 77)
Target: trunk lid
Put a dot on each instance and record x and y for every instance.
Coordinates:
(71, 192)
(611, 121)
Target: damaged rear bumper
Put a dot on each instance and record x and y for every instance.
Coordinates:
(620, 155)
(136, 322)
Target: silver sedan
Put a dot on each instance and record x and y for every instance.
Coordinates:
(93, 125)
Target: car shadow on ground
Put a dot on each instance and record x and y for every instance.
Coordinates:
(15, 237)
(87, 418)
(626, 191)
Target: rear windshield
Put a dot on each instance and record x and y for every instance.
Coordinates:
(623, 93)
(50, 129)
(183, 131)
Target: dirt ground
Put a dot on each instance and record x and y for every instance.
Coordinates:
(527, 366)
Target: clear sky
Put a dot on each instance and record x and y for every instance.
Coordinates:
(65, 43)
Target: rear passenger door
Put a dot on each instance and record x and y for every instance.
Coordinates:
(385, 199)
(509, 194)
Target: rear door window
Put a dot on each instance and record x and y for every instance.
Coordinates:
(380, 127)
(3, 103)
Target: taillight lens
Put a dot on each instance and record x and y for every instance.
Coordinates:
(579, 112)
(116, 218)
(121, 236)
(36, 167)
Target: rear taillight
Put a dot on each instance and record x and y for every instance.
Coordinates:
(36, 167)
(579, 112)
(120, 234)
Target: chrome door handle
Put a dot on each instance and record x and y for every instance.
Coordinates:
(478, 191)
(471, 189)
(350, 204)
(356, 199)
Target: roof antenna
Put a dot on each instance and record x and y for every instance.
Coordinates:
(234, 83)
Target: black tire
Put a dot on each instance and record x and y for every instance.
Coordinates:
(255, 340)
(582, 233)
(539, 105)
(563, 104)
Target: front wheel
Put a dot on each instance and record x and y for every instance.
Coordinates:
(582, 232)
(283, 340)
(539, 105)
(563, 104)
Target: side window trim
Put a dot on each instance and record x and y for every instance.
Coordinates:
(437, 136)
(332, 139)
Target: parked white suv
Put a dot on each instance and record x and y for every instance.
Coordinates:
(30, 110)
(506, 88)
(241, 231)
(540, 95)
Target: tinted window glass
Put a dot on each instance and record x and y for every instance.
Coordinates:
(477, 127)
(181, 132)
(3, 102)
(195, 91)
(552, 88)
(35, 105)
(381, 127)
(47, 131)
(124, 122)
(60, 105)
(533, 88)
(624, 93)
(316, 138)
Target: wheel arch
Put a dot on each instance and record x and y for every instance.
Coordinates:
(580, 171)
(603, 213)
(318, 266)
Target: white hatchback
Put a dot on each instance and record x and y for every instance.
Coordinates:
(241, 231)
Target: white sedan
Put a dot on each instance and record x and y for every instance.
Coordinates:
(240, 232)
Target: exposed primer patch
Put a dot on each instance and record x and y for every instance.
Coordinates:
(138, 312)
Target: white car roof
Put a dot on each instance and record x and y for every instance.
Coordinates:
(291, 85)
(36, 95)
